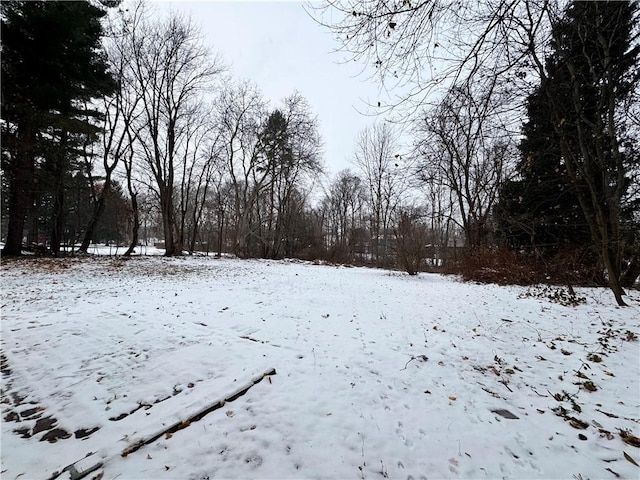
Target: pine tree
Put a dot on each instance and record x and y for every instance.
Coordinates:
(592, 68)
(540, 210)
(52, 66)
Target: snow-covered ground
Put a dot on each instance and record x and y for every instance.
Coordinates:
(377, 374)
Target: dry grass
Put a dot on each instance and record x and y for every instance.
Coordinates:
(505, 267)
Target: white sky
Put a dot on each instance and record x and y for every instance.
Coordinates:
(279, 47)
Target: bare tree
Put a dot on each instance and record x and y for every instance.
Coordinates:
(119, 112)
(424, 47)
(240, 111)
(412, 236)
(378, 159)
(196, 163)
(439, 208)
(465, 148)
(172, 70)
(290, 152)
(344, 210)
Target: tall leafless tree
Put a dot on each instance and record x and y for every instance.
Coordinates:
(119, 112)
(240, 111)
(344, 210)
(378, 159)
(289, 148)
(464, 147)
(172, 70)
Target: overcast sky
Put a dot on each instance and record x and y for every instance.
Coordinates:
(281, 48)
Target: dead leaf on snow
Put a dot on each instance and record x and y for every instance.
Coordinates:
(595, 358)
(606, 434)
(453, 399)
(628, 457)
(610, 415)
(630, 439)
(579, 424)
(505, 413)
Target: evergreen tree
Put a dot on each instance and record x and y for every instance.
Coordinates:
(540, 210)
(576, 129)
(52, 66)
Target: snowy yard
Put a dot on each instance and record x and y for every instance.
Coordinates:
(202, 368)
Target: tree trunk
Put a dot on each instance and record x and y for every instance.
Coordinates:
(58, 221)
(20, 192)
(220, 231)
(614, 277)
(60, 158)
(632, 273)
(171, 246)
(98, 209)
(136, 224)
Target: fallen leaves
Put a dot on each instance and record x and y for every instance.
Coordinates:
(629, 439)
(576, 423)
(594, 357)
(606, 434)
(630, 459)
(506, 414)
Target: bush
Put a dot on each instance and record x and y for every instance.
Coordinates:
(569, 266)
